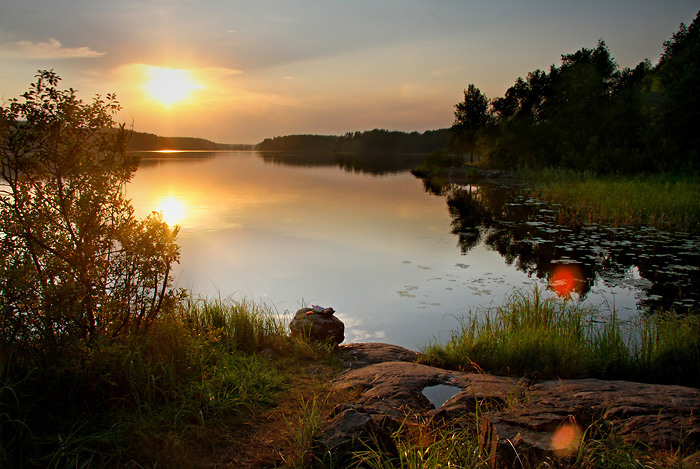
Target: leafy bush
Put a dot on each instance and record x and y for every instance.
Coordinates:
(74, 261)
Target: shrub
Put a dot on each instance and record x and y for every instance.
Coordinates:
(74, 261)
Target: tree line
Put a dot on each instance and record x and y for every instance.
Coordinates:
(142, 141)
(369, 142)
(587, 113)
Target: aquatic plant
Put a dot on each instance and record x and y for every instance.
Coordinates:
(665, 201)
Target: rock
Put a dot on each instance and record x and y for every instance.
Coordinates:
(518, 418)
(487, 392)
(317, 326)
(350, 429)
(364, 354)
(394, 389)
(692, 461)
(506, 435)
(388, 392)
(552, 417)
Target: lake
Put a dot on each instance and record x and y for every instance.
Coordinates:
(398, 261)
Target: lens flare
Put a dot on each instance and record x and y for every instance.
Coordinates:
(566, 439)
(566, 279)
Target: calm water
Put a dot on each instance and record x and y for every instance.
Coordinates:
(398, 263)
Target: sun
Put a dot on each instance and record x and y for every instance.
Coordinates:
(170, 85)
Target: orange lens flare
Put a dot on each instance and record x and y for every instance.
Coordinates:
(566, 279)
(566, 439)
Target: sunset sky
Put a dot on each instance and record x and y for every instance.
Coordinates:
(237, 71)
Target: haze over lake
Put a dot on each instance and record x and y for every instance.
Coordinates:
(372, 244)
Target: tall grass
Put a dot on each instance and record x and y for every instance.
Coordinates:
(427, 445)
(303, 427)
(150, 398)
(242, 325)
(664, 201)
(537, 335)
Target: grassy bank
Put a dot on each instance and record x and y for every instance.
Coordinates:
(665, 201)
(536, 335)
(215, 381)
(168, 398)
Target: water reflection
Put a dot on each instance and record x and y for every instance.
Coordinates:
(377, 164)
(381, 251)
(173, 210)
(576, 259)
(160, 158)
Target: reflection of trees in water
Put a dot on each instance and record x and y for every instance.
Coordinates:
(155, 159)
(525, 233)
(377, 164)
(470, 216)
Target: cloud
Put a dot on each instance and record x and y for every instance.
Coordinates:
(50, 49)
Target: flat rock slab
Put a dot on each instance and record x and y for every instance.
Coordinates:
(546, 418)
(554, 414)
(364, 354)
(392, 388)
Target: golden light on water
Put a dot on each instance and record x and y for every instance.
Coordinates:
(170, 85)
(173, 209)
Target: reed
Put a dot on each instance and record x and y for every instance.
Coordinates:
(242, 325)
(664, 201)
(533, 334)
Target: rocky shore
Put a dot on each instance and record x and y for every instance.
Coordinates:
(517, 417)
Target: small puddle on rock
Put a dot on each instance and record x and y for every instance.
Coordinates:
(439, 394)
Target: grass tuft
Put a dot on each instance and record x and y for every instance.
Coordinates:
(541, 336)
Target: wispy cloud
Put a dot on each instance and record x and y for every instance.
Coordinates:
(50, 49)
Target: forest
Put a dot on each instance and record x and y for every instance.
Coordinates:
(588, 114)
(142, 141)
(377, 141)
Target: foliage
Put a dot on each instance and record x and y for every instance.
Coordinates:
(142, 141)
(322, 143)
(156, 398)
(242, 325)
(303, 428)
(74, 261)
(374, 142)
(471, 115)
(586, 113)
(437, 163)
(428, 445)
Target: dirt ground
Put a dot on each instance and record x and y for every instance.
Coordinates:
(276, 437)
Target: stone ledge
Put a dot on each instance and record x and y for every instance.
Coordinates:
(517, 416)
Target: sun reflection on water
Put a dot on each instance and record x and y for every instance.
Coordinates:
(173, 209)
